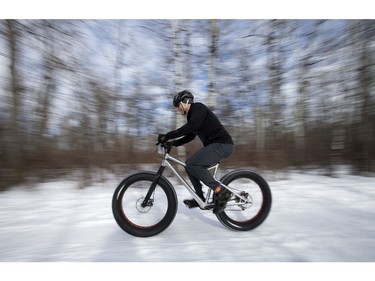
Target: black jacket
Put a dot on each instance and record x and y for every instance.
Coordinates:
(202, 122)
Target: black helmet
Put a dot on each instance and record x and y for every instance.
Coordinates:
(183, 96)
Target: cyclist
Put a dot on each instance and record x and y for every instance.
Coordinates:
(217, 145)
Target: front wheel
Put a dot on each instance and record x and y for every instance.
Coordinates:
(144, 220)
(252, 208)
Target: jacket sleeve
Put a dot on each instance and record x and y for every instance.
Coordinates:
(183, 140)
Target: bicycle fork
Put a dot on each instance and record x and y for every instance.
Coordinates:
(146, 201)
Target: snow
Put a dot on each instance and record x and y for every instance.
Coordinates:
(314, 218)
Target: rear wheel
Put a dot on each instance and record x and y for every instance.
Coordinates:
(250, 211)
(144, 220)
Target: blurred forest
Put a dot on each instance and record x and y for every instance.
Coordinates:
(95, 93)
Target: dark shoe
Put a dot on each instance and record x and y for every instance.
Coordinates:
(221, 199)
(191, 203)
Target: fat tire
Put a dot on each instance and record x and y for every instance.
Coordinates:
(127, 225)
(256, 220)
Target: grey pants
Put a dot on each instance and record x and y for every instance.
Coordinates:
(196, 165)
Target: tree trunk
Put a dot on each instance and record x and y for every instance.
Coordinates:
(14, 153)
(181, 151)
(212, 100)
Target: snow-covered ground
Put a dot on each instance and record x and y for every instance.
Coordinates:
(314, 218)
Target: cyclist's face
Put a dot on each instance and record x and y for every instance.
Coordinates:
(180, 108)
(183, 108)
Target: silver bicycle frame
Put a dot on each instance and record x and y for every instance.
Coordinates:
(166, 163)
(213, 169)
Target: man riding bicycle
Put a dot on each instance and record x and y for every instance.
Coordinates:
(217, 145)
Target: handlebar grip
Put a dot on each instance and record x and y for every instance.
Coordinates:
(167, 146)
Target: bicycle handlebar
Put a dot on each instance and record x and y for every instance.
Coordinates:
(166, 145)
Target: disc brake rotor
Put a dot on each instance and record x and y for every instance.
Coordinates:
(145, 209)
(244, 204)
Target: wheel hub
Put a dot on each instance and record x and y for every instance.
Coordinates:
(244, 204)
(146, 208)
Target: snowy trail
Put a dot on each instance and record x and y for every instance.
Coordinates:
(313, 218)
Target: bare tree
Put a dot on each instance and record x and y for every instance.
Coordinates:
(306, 62)
(212, 91)
(15, 144)
(364, 92)
(176, 29)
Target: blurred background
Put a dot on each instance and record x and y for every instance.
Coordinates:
(87, 94)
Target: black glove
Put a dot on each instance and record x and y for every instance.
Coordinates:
(162, 138)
